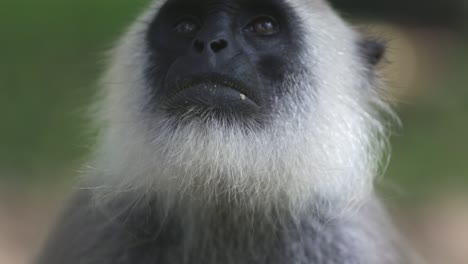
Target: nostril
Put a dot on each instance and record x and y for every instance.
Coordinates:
(198, 46)
(218, 45)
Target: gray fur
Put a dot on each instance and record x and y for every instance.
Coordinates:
(142, 233)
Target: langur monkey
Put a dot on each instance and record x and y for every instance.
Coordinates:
(234, 132)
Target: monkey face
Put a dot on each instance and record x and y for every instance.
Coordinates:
(227, 59)
(254, 98)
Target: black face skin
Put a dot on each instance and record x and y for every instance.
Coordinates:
(227, 57)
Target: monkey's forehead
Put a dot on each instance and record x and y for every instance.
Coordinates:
(309, 5)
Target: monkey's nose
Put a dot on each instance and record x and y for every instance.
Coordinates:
(218, 45)
(214, 46)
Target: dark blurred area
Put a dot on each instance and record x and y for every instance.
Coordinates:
(446, 13)
(53, 51)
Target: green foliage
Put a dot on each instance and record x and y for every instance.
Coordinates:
(50, 58)
(430, 152)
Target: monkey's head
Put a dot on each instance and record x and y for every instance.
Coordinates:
(255, 101)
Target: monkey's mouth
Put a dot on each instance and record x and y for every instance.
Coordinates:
(212, 91)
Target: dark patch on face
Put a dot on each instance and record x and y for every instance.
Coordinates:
(273, 68)
(372, 50)
(222, 56)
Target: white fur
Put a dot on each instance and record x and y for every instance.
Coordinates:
(325, 142)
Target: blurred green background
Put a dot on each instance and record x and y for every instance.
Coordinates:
(52, 53)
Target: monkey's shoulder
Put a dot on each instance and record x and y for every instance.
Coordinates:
(112, 233)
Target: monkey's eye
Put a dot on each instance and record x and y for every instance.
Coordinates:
(187, 26)
(263, 25)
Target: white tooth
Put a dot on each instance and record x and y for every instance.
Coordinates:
(242, 97)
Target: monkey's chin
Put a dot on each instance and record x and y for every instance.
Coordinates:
(210, 100)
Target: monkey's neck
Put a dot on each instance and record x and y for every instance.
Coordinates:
(230, 233)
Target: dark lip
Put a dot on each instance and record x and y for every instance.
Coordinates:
(185, 83)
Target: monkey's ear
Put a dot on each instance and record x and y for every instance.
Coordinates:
(372, 50)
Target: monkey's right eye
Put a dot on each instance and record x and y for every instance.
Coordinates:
(187, 26)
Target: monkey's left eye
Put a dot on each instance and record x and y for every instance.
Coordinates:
(263, 25)
(187, 26)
